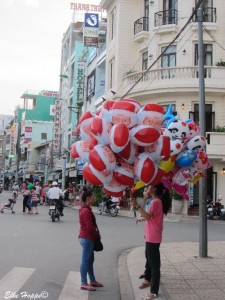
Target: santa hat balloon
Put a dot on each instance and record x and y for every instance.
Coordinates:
(85, 122)
(81, 149)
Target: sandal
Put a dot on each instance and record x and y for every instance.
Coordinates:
(142, 276)
(151, 296)
(96, 284)
(87, 287)
(145, 284)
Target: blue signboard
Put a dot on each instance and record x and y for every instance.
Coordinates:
(91, 20)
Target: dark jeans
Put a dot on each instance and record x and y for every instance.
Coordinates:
(153, 260)
(26, 200)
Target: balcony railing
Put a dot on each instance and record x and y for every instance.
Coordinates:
(176, 73)
(166, 17)
(209, 15)
(141, 25)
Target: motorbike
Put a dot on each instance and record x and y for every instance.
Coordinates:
(210, 209)
(113, 210)
(54, 210)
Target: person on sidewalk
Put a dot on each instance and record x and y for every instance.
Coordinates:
(153, 232)
(147, 272)
(87, 236)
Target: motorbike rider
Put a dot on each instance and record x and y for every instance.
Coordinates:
(55, 194)
(15, 189)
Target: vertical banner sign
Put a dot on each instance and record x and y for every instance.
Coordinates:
(80, 81)
(56, 135)
(91, 29)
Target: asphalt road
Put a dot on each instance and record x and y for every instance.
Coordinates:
(40, 256)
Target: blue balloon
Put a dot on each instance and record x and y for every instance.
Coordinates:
(186, 158)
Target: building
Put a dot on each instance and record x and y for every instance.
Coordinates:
(140, 65)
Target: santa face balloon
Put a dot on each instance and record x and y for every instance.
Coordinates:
(197, 144)
(145, 168)
(135, 102)
(193, 129)
(81, 149)
(119, 137)
(152, 115)
(124, 173)
(124, 112)
(100, 130)
(178, 129)
(102, 158)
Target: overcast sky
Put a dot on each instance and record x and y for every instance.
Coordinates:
(31, 33)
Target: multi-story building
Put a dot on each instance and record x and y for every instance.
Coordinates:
(139, 65)
(35, 127)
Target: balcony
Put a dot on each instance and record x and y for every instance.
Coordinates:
(216, 145)
(165, 79)
(209, 15)
(166, 17)
(141, 29)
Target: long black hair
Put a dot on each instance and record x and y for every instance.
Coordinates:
(163, 193)
(87, 193)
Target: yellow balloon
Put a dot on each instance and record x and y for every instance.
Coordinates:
(139, 185)
(167, 165)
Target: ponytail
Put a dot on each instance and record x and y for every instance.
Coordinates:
(163, 193)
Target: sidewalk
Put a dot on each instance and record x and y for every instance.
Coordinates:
(184, 276)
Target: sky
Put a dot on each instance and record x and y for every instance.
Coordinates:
(31, 33)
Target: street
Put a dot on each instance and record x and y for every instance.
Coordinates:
(40, 257)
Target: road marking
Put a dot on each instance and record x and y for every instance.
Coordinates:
(14, 280)
(71, 289)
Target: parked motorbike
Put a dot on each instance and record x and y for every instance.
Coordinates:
(210, 209)
(113, 210)
(54, 210)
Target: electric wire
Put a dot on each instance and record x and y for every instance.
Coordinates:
(212, 36)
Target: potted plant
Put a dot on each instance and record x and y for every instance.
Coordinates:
(179, 204)
(220, 63)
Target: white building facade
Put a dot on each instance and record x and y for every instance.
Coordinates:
(138, 32)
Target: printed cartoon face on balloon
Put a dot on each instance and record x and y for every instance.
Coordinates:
(197, 144)
(178, 129)
(81, 149)
(114, 188)
(202, 161)
(105, 113)
(151, 114)
(193, 129)
(124, 112)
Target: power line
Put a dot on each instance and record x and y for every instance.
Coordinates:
(176, 37)
(212, 36)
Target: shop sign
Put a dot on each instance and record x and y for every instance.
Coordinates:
(80, 81)
(56, 135)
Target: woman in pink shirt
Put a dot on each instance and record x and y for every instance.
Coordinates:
(153, 232)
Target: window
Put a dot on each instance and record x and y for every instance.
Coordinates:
(208, 58)
(168, 60)
(145, 61)
(44, 136)
(209, 116)
(112, 25)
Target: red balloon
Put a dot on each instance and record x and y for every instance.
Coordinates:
(119, 137)
(73, 151)
(159, 175)
(90, 177)
(93, 142)
(144, 168)
(124, 173)
(129, 153)
(114, 188)
(102, 158)
(143, 135)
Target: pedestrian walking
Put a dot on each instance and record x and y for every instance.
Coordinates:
(27, 199)
(153, 232)
(34, 201)
(87, 236)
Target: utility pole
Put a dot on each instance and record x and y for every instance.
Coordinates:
(203, 238)
(64, 171)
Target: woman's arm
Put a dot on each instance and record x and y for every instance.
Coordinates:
(144, 214)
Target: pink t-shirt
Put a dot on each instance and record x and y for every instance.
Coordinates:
(154, 226)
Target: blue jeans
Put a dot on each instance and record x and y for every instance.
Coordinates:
(87, 260)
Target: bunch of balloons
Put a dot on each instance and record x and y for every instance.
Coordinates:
(124, 143)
